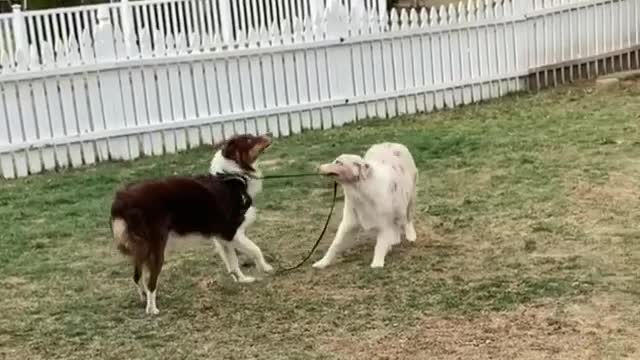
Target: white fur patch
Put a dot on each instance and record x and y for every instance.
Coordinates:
(152, 308)
(220, 164)
(249, 218)
(119, 227)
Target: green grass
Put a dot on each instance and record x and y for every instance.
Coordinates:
(528, 204)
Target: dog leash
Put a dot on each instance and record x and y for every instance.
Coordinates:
(268, 177)
(324, 230)
(326, 223)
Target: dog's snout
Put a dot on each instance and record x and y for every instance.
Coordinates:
(326, 169)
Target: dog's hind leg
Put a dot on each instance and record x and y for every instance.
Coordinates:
(155, 267)
(409, 229)
(137, 275)
(385, 240)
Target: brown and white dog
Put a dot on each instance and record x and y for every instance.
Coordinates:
(146, 215)
(380, 195)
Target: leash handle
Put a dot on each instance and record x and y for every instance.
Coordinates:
(324, 230)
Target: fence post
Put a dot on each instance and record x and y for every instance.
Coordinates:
(339, 62)
(523, 33)
(316, 8)
(104, 45)
(19, 30)
(126, 20)
(226, 24)
(110, 84)
(358, 6)
(382, 6)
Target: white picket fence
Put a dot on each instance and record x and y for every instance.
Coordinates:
(227, 19)
(107, 96)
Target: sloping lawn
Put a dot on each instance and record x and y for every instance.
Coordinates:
(528, 248)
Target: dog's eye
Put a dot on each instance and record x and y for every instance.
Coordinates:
(338, 162)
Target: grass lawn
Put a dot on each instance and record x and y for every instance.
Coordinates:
(528, 247)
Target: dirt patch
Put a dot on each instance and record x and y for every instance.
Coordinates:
(607, 215)
(10, 352)
(620, 189)
(547, 331)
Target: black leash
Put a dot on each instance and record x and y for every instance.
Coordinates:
(324, 229)
(326, 224)
(268, 177)
(283, 176)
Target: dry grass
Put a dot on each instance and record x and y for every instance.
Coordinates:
(528, 249)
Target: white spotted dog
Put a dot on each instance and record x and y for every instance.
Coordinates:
(380, 195)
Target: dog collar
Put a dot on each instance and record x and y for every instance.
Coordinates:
(233, 176)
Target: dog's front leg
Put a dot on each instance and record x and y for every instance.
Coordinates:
(243, 244)
(386, 238)
(341, 242)
(222, 252)
(230, 260)
(235, 264)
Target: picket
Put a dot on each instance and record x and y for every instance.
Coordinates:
(6, 158)
(28, 120)
(14, 128)
(213, 100)
(312, 75)
(68, 114)
(500, 66)
(282, 126)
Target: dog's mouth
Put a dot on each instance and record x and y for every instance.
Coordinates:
(265, 144)
(265, 147)
(260, 148)
(328, 170)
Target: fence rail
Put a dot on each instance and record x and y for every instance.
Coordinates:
(108, 95)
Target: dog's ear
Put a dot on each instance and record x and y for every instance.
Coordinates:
(227, 149)
(238, 150)
(220, 146)
(244, 160)
(364, 170)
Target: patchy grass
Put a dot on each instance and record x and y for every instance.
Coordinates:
(528, 248)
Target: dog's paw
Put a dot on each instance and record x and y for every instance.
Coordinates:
(246, 279)
(152, 310)
(321, 264)
(410, 233)
(267, 268)
(377, 265)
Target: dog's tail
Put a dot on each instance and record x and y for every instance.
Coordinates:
(121, 236)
